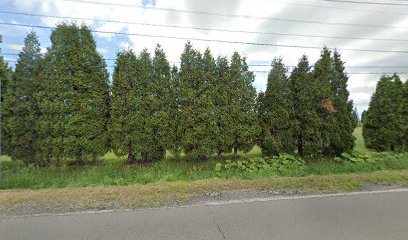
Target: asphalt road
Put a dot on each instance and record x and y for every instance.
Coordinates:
(375, 215)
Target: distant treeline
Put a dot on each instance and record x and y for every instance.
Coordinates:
(62, 105)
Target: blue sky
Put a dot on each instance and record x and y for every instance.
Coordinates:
(393, 19)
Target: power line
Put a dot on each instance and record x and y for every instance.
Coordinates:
(251, 65)
(259, 71)
(368, 2)
(231, 15)
(200, 28)
(341, 8)
(217, 40)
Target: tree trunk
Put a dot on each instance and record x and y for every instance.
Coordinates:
(300, 147)
(235, 152)
(219, 155)
(131, 158)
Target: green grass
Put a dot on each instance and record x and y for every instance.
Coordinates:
(112, 170)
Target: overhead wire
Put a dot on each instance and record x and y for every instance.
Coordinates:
(200, 28)
(231, 15)
(215, 40)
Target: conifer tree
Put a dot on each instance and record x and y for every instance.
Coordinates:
(163, 103)
(385, 123)
(323, 73)
(304, 115)
(245, 126)
(224, 106)
(5, 75)
(277, 107)
(74, 97)
(149, 143)
(345, 121)
(175, 147)
(123, 126)
(197, 120)
(22, 107)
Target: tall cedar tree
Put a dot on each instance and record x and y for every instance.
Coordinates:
(175, 147)
(323, 74)
(276, 116)
(149, 143)
(123, 126)
(305, 118)
(224, 107)
(342, 139)
(22, 107)
(245, 125)
(196, 115)
(162, 87)
(385, 125)
(74, 98)
(5, 75)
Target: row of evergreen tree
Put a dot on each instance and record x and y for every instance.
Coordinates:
(62, 105)
(385, 123)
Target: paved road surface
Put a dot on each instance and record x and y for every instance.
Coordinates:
(376, 215)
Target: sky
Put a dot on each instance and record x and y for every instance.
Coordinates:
(345, 25)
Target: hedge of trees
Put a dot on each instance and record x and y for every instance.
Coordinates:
(62, 105)
(385, 123)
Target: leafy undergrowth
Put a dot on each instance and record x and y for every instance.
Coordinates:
(116, 172)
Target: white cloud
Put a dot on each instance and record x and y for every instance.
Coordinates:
(174, 47)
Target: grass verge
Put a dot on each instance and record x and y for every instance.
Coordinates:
(173, 193)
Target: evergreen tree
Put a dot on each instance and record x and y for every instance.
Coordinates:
(74, 97)
(175, 129)
(323, 74)
(197, 120)
(22, 107)
(149, 143)
(277, 107)
(356, 118)
(363, 114)
(163, 103)
(123, 126)
(5, 75)
(224, 106)
(305, 119)
(385, 123)
(245, 126)
(342, 139)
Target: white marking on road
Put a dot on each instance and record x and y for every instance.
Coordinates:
(220, 203)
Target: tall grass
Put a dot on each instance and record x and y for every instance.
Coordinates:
(112, 170)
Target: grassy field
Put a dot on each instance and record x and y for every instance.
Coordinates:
(114, 171)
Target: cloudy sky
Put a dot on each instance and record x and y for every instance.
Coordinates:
(343, 25)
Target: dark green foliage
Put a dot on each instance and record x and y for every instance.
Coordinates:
(245, 127)
(323, 74)
(123, 125)
(74, 97)
(5, 75)
(363, 115)
(22, 108)
(224, 106)
(196, 113)
(345, 120)
(163, 105)
(275, 119)
(305, 118)
(335, 110)
(385, 123)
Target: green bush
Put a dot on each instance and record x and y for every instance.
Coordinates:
(280, 165)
